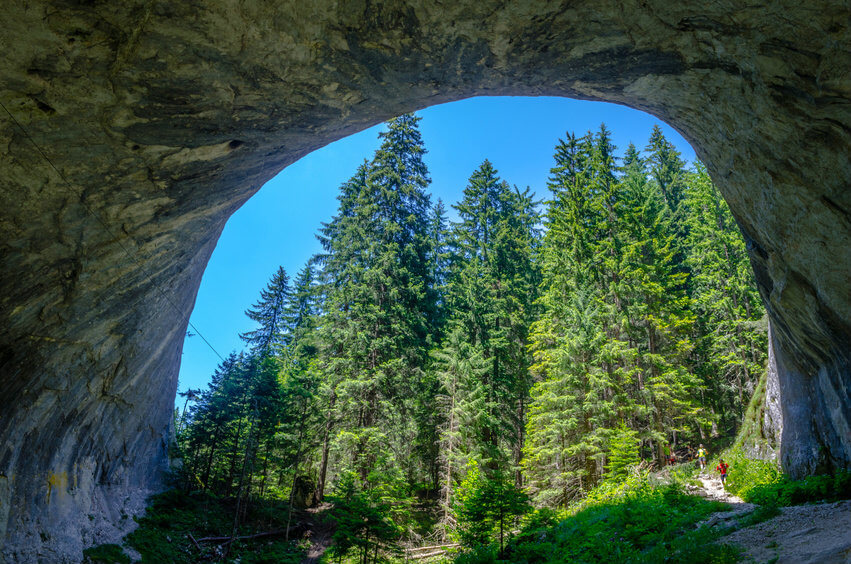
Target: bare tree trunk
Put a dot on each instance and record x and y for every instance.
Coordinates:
(319, 495)
(246, 461)
(233, 459)
(296, 465)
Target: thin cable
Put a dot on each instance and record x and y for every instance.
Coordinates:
(110, 233)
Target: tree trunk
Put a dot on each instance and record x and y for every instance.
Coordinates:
(206, 483)
(296, 465)
(319, 495)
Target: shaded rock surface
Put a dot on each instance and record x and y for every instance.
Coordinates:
(162, 118)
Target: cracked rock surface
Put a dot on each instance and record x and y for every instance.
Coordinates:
(145, 124)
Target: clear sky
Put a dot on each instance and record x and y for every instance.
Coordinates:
(276, 227)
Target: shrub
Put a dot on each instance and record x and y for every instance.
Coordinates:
(762, 483)
(633, 521)
(783, 492)
(488, 506)
(745, 473)
(106, 554)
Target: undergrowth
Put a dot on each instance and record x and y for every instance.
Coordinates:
(636, 520)
(163, 533)
(105, 554)
(761, 482)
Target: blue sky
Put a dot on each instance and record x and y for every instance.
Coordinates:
(276, 227)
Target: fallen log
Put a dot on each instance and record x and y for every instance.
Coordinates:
(434, 547)
(427, 555)
(198, 546)
(244, 537)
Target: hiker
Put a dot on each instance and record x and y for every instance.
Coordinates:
(667, 452)
(701, 457)
(722, 468)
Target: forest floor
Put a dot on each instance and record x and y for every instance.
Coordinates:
(321, 534)
(801, 534)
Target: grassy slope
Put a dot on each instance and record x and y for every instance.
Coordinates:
(638, 520)
(163, 533)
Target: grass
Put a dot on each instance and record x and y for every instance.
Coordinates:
(634, 521)
(761, 482)
(163, 533)
(105, 554)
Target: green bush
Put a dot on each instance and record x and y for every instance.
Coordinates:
(162, 535)
(105, 554)
(783, 492)
(633, 521)
(745, 473)
(762, 483)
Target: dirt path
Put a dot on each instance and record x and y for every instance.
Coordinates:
(321, 534)
(715, 491)
(802, 534)
(711, 489)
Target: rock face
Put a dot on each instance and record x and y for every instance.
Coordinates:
(132, 130)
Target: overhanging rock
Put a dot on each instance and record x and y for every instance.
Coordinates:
(162, 118)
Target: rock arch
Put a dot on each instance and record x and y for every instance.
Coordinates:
(161, 118)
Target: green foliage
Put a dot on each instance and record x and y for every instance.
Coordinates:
(623, 452)
(368, 519)
(488, 505)
(106, 554)
(731, 341)
(415, 349)
(633, 521)
(745, 473)
(750, 431)
(163, 533)
(613, 341)
(269, 313)
(785, 492)
(761, 482)
(378, 304)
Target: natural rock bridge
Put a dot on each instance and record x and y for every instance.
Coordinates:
(132, 130)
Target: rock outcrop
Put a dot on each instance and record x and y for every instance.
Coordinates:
(135, 128)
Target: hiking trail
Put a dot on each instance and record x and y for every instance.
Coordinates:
(801, 534)
(321, 533)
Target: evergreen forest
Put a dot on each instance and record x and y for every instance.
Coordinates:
(441, 376)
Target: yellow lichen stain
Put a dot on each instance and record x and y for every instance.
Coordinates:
(57, 481)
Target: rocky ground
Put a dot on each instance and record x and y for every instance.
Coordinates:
(802, 534)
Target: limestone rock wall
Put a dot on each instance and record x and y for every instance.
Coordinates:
(135, 128)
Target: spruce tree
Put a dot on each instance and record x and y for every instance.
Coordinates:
(730, 329)
(492, 283)
(376, 329)
(269, 313)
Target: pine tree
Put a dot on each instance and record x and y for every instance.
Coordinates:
(731, 331)
(459, 367)
(376, 328)
(623, 452)
(268, 312)
(488, 506)
(583, 356)
(492, 282)
(659, 313)
(666, 168)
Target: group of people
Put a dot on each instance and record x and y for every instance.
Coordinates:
(702, 455)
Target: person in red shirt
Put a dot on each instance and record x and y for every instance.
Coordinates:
(722, 468)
